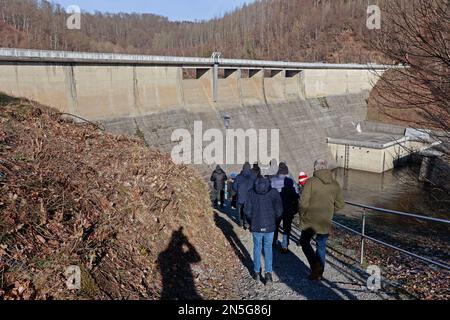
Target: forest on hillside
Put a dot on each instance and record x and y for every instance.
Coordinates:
(290, 30)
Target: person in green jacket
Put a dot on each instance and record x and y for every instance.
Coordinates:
(321, 197)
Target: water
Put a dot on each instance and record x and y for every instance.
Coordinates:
(398, 190)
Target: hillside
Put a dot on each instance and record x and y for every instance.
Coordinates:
(10, 37)
(291, 30)
(138, 226)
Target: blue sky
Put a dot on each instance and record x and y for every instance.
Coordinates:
(174, 9)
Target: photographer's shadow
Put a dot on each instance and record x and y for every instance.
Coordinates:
(175, 267)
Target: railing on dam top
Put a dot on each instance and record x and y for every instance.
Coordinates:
(364, 237)
(26, 55)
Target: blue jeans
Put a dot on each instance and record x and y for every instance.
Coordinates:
(321, 246)
(321, 249)
(261, 240)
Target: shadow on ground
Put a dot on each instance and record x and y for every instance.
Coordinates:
(294, 273)
(175, 266)
(235, 242)
(289, 268)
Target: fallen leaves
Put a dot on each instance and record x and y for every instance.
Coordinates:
(22, 290)
(413, 277)
(76, 196)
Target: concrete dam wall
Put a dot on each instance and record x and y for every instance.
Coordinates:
(306, 102)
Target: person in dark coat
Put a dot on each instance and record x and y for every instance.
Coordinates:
(263, 207)
(219, 178)
(278, 183)
(242, 185)
(256, 170)
(290, 199)
(231, 193)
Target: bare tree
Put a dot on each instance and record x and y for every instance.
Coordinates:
(294, 30)
(416, 34)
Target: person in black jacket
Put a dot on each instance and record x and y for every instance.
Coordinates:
(219, 178)
(242, 185)
(263, 207)
(256, 170)
(290, 199)
(231, 193)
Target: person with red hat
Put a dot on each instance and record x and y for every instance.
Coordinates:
(302, 179)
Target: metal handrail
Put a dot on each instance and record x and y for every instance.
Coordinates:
(398, 213)
(34, 56)
(363, 235)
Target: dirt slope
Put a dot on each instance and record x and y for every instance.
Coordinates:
(138, 226)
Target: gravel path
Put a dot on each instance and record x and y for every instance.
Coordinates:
(341, 280)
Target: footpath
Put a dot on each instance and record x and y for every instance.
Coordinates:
(341, 280)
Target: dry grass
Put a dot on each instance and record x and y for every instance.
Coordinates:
(72, 195)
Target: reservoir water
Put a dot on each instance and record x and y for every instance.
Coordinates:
(399, 190)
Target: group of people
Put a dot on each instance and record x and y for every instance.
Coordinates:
(264, 202)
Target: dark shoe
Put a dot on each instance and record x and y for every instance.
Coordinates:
(269, 279)
(321, 271)
(313, 277)
(256, 277)
(316, 272)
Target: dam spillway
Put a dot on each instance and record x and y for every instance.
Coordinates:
(307, 102)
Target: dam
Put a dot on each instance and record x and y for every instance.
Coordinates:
(319, 109)
(153, 96)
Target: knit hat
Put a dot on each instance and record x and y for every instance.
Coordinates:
(302, 178)
(283, 169)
